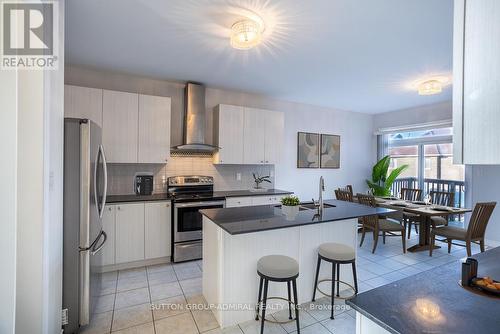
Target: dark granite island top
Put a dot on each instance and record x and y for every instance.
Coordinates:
(399, 307)
(250, 219)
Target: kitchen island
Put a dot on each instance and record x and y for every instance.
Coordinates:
(234, 239)
(431, 302)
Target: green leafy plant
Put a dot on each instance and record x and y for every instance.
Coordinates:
(381, 183)
(259, 179)
(290, 200)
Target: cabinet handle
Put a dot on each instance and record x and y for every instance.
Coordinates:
(119, 208)
(221, 161)
(267, 162)
(167, 205)
(110, 208)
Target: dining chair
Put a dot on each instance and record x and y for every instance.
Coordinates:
(377, 224)
(343, 195)
(473, 234)
(443, 198)
(411, 194)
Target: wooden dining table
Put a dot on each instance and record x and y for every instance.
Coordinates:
(425, 212)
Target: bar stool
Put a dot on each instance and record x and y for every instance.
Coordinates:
(336, 254)
(277, 268)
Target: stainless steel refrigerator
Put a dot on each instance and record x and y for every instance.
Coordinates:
(85, 187)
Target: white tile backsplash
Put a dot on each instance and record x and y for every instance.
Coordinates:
(121, 176)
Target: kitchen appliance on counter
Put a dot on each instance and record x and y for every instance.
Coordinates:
(85, 188)
(143, 184)
(190, 194)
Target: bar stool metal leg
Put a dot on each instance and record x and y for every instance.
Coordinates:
(355, 276)
(316, 279)
(264, 301)
(289, 301)
(258, 299)
(296, 299)
(338, 279)
(333, 288)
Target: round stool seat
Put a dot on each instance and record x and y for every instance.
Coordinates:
(278, 266)
(336, 252)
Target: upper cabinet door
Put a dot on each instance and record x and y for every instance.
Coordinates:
(228, 134)
(83, 102)
(254, 136)
(477, 103)
(274, 131)
(119, 123)
(154, 129)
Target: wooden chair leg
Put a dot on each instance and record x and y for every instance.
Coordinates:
(468, 246)
(416, 228)
(383, 237)
(375, 240)
(403, 237)
(409, 229)
(481, 245)
(363, 232)
(449, 245)
(316, 280)
(431, 246)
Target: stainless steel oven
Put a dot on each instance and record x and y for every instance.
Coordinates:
(188, 228)
(190, 194)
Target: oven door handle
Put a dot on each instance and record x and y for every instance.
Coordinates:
(201, 203)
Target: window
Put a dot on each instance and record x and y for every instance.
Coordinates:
(429, 156)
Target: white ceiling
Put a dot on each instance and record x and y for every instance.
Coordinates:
(355, 55)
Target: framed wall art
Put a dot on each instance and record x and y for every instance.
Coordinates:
(308, 149)
(330, 151)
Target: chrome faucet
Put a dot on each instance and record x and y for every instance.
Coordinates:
(319, 204)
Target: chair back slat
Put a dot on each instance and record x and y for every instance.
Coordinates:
(343, 195)
(368, 200)
(479, 220)
(443, 198)
(411, 194)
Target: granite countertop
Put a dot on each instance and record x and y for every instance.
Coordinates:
(240, 193)
(394, 306)
(217, 194)
(242, 220)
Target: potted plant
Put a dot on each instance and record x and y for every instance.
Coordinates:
(381, 183)
(258, 180)
(290, 206)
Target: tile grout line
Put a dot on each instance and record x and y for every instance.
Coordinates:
(150, 301)
(114, 301)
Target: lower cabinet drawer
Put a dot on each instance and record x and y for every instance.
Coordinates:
(232, 202)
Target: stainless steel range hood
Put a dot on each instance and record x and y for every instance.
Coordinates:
(194, 122)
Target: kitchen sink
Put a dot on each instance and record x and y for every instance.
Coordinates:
(311, 206)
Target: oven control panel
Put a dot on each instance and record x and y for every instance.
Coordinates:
(180, 181)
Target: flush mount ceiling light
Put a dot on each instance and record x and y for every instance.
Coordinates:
(246, 34)
(431, 86)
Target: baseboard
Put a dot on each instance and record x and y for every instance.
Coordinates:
(492, 243)
(135, 264)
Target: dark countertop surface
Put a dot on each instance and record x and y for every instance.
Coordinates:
(239, 193)
(165, 197)
(242, 220)
(137, 198)
(394, 306)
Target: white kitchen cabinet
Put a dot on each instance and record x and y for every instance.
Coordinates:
(108, 226)
(157, 229)
(476, 89)
(234, 202)
(154, 129)
(228, 134)
(254, 136)
(274, 125)
(83, 102)
(129, 232)
(119, 126)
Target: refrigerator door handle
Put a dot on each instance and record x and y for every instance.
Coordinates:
(95, 249)
(105, 192)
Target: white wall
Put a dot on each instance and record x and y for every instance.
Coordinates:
(8, 200)
(418, 115)
(357, 154)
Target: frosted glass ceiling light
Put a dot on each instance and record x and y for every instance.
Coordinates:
(246, 34)
(430, 87)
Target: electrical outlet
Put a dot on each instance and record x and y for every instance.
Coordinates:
(238, 176)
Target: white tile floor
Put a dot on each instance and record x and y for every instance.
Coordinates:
(127, 296)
